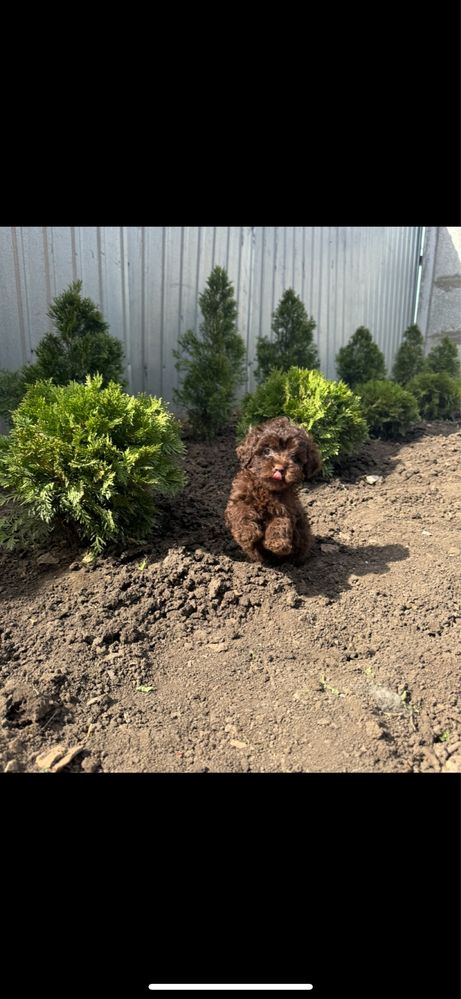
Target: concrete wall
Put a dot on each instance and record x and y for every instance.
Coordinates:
(439, 307)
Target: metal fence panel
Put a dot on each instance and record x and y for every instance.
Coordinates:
(147, 281)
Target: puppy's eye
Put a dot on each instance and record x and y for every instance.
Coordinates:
(266, 452)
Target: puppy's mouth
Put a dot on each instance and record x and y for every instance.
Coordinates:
(278, 475)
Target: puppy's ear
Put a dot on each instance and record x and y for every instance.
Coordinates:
(313, 462)
(245, 450)
(244, 453)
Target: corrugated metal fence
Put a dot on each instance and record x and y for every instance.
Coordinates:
(147, 281)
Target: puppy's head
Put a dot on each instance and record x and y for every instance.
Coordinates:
(279, 454)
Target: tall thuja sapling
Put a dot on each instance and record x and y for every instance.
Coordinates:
(361, 359)
(444, 358)
(292, 343)
(211, 363)
(409, 359)
(80, 346)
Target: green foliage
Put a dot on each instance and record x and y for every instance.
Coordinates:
(361, 359)
(328, 409)
(388, 408)
(293, 339)
(409, 359)
(80, 346)
(212, 363)
(90, 457)
(438, 395)
(19, 528)
(12, 389)
(444, 357)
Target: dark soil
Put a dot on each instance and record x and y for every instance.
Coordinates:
(179, 655)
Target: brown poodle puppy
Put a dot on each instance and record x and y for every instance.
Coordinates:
(264, 514)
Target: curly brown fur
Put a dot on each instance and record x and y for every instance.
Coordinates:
(264, 514)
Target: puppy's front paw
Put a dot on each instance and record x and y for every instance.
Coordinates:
(277, 546)
(278, 538)
(248, 535)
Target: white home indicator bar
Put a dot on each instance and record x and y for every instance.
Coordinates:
(230, 988)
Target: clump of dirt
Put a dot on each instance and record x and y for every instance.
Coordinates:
(179, 655)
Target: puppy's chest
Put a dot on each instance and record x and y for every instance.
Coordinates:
(270, 505)
(275, 509)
